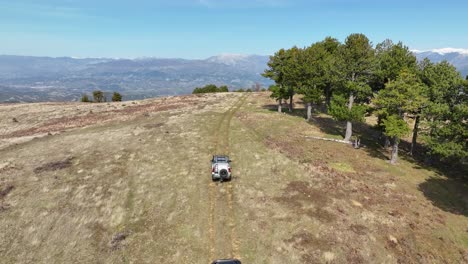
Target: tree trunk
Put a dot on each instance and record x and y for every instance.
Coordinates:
(349, 125)
(394, 157)
(387, 142)
(328, 96)
(309, 111)
(415, 134)
(290, 103)
(349, 131)
(279, 105)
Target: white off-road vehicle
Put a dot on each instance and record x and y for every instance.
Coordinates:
(221, 168)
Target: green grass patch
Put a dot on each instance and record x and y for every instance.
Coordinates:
(339, 137)
(343, 167)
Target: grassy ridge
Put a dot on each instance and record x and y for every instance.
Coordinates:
(138, 189)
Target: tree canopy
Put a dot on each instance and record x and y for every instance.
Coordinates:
(354, 79)
(211, 88)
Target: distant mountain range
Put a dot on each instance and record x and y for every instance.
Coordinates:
(457, 57)
(32, 79)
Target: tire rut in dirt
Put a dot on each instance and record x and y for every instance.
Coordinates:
(223, 236)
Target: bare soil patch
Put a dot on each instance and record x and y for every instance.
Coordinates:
(53, 166)
(3, 193)
(117, 239)
(299, 196)
(6, 190)
(64, 123)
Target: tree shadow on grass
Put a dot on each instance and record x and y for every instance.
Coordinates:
(453, 169)
(327, 125)
(450, 195)
(368, 136)
(373, 141)
(285, 110)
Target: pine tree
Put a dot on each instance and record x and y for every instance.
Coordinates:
(313, 76)
(98, 96)
(404, 95)
(331, 46)
(85, 98)
(392, 59)
(276, 72)
(293, 70)
(116, 97)
(446, 111)
(279, 94)
(355, 65)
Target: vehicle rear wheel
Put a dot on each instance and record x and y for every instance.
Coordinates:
(223, 173)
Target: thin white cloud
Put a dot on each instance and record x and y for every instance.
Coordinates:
(451, 50)
(443, 51)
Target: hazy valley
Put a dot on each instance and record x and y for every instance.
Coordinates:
(32, 79)
(35, 79)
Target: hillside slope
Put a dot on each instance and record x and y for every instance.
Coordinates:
(130, 183)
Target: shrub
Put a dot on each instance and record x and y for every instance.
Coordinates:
(85, 98)
(116, 97)
(210, 88)
(99, 96)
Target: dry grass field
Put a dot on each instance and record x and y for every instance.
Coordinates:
(130, 182)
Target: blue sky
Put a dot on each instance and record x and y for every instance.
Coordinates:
(202, 28)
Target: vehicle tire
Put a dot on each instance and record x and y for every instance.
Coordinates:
(223, 173)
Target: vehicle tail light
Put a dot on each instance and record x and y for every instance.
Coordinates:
(213, 169)
(229, 169)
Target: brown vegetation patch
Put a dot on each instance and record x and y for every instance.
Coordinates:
(117, 239)
(63, 123)
(53, 166)
(3, 193)
(289, 147)
(151, 126)
(307, 241)
(6, 167)
(310, 246)
(353, 256)
(300, 195)
(358, 229)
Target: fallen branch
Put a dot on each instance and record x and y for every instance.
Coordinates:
(355, 144)
(330, 139)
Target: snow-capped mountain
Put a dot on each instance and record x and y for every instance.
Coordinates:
(254, 63)
(457, 57)
(229, 59)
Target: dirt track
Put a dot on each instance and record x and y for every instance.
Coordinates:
(223, 235)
